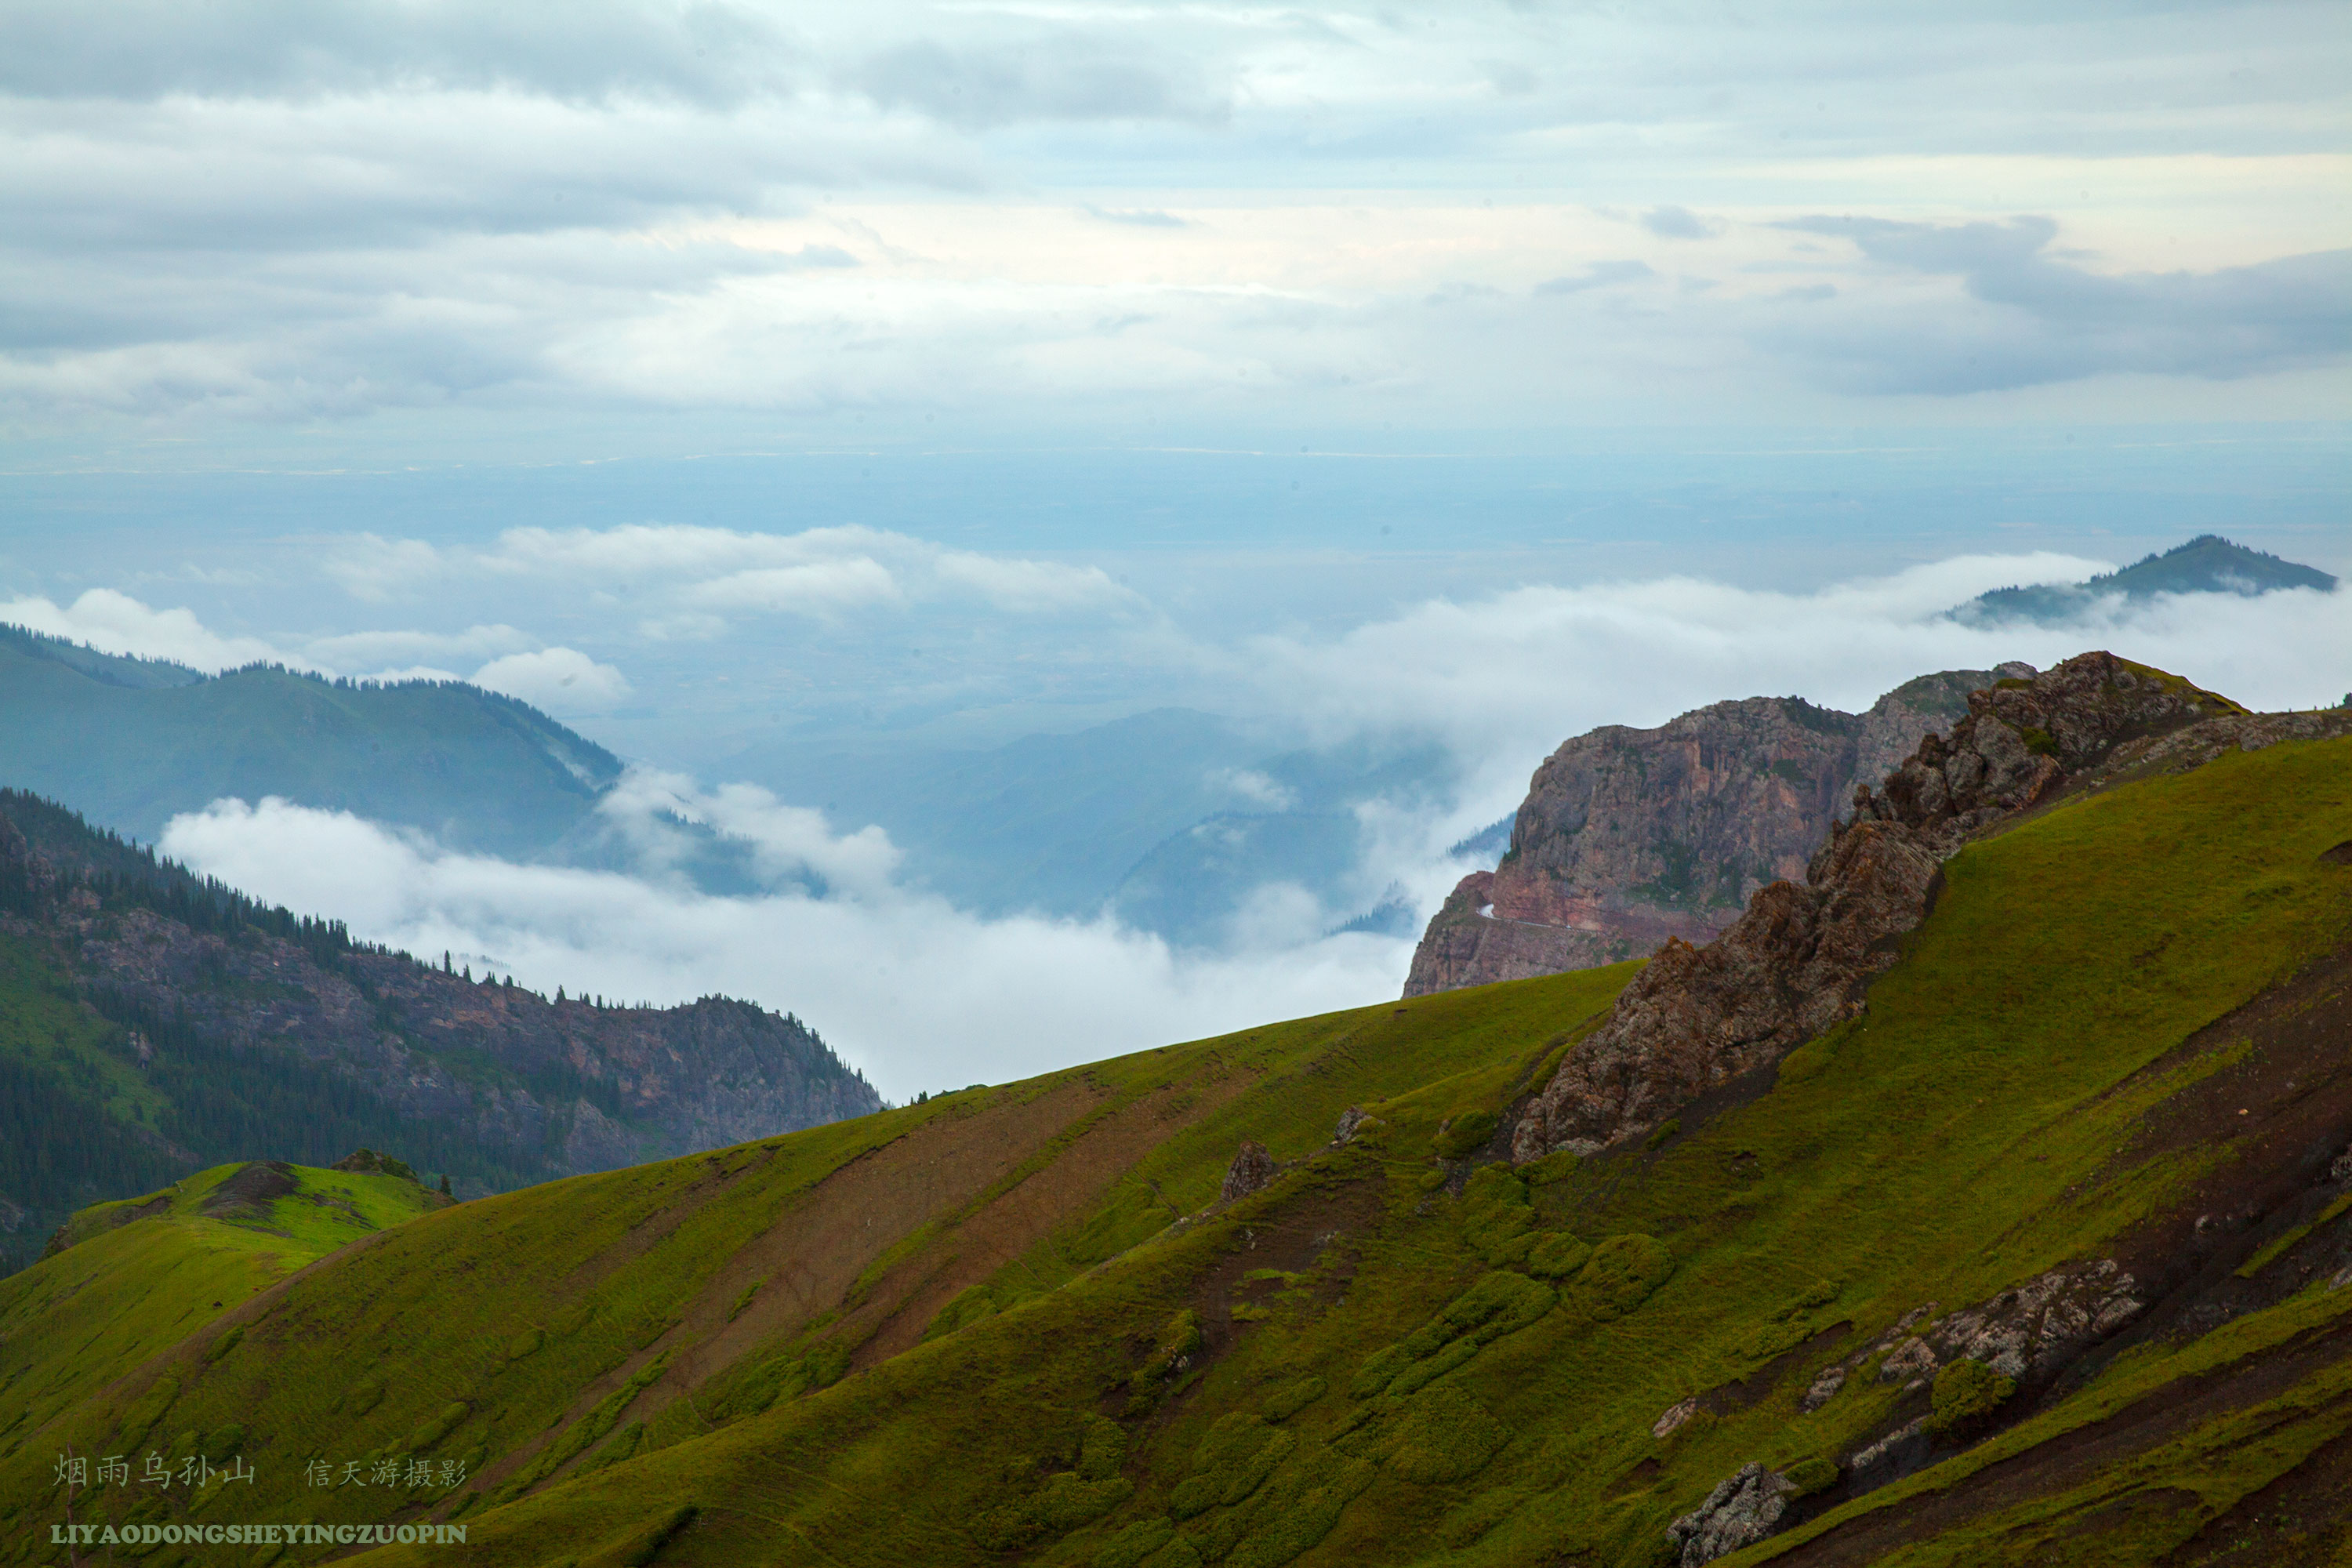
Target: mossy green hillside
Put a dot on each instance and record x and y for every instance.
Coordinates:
(1998, 1061)
(141, 1275)
(532, 1309)
(1975, 1127)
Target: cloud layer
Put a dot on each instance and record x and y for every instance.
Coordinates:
(692, 579)
(267, 214)
(918, 994)
(925, 995)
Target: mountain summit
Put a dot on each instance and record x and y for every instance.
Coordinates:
(2208, 564)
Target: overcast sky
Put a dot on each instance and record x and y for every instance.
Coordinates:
(429, 221)
(725, 376)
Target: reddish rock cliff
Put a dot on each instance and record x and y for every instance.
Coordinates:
(1629, 838)
(1803, 953)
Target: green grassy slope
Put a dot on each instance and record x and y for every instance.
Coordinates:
(966, 1332)
(477, 769)
(138, 1275)
(602, 1277)
(1973, 1074)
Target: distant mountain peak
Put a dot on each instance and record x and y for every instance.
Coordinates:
(2208, 564)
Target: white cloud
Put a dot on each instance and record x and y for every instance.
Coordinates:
(919, 995)
(353, 649)
(1255, 788)
(699, 575)
(559, 679)
(1503, 680)
(117, 623)
(817, 588)
(789, 840)
(373, 568)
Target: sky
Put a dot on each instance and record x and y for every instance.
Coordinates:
(906, 377)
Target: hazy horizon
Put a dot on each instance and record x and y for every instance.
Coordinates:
(754, 386)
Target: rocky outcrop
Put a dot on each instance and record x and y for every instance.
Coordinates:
(1252, 1170)
(1630, 838)
(1744, 1507)
(1802, 954)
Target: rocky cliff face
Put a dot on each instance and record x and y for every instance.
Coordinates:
(1802, 954)
(199, 988)
(1629, 838)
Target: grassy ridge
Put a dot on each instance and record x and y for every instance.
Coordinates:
(585, 1281)
(139, 1276)
(2059, 963)
(1385, 1356)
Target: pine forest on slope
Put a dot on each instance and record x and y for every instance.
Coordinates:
(152, 1023)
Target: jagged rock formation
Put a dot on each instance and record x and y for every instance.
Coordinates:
(1802, 954)
(1629, 838)
(1744, 1507)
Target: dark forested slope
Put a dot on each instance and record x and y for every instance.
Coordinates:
(152, 1022)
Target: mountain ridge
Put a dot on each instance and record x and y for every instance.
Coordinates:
(2030, 1258)
(2208, 564)
(213, 1024)
(1630, 837)
(133, 744)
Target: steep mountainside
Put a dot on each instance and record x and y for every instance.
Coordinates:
(132, 742)
(2206, 564)
(2039, 1258)
(151, 1023)
(1631, 837)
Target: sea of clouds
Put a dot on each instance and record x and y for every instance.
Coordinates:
(926, 995)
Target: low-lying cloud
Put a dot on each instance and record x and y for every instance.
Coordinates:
(116, 623)
(925, 995)
(560, 679)
(1503, 679)
(919, 995)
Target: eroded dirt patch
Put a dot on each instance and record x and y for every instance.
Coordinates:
(906, 1300)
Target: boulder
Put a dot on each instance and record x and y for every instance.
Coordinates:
(1744, 1507)
(1252, 1170)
